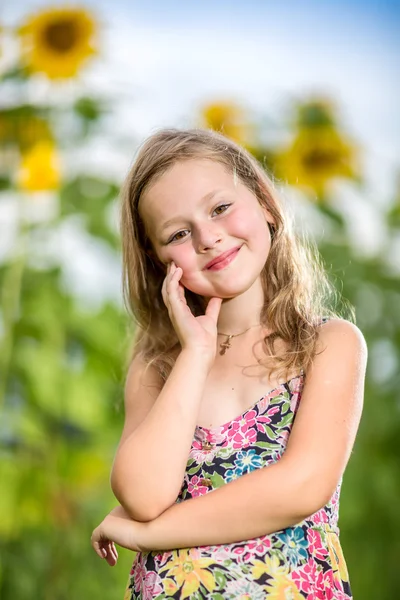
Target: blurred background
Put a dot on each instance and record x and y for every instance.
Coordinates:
(311, 90)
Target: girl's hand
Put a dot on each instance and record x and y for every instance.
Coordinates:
(117, 528)
(193, 332)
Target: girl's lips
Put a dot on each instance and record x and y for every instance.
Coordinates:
(224, 260)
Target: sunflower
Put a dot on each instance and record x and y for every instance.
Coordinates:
(39, 169)
(57, 41)
(318, 152)
(227, 118)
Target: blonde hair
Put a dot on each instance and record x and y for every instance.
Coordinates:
(297, 291)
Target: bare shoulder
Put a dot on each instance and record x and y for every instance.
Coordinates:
(340, 339)
(141, 374)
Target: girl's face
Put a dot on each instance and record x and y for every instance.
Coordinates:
(196, 212)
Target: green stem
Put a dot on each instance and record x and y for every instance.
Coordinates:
(10, 302)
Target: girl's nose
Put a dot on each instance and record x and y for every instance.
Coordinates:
(207, 238)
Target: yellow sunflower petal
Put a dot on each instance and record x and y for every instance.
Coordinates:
(229, 119)
(40, 169)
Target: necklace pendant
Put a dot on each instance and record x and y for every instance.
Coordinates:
(225, 345)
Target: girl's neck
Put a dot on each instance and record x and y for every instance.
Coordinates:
(242, 312)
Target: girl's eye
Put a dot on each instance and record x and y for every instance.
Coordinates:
(177, 236)
(223, 206)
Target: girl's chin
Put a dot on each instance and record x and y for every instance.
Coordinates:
(230, 288)
(224, 294)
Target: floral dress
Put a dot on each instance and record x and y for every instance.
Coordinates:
(302, 561)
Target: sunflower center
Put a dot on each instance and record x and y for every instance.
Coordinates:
(321, 159)
(61, 36)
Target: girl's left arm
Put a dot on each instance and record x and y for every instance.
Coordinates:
(306, 476)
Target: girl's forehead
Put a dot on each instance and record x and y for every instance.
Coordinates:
(192, 173)
(187, 183)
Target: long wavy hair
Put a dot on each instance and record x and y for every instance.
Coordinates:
(297, 291)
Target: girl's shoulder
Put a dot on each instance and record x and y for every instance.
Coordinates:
(338, 331)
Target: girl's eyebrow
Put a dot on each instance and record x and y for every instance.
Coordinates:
(207, 197)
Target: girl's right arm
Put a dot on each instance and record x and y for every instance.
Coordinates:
(159, 425)
(160, 421)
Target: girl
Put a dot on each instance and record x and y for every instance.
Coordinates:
(242, 401)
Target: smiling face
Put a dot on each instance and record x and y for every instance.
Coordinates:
(195, 212)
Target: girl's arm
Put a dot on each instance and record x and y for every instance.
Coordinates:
(139, 479)
(160, 420)
(306, 476)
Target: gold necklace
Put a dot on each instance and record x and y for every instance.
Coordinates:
(224, 346)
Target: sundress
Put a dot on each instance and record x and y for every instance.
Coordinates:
(302, 561)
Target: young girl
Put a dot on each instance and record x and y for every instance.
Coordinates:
(243, 397)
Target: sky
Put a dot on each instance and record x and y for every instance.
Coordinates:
(163, 60)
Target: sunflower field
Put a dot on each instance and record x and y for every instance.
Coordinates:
(63, 351)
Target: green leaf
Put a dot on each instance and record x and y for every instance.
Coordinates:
(193, 470)
(88, 108)
(269, 446)
(217, 480)
(220, 578)
(286, 420)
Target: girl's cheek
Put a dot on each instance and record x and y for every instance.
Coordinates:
(181, 255)
(242, 220)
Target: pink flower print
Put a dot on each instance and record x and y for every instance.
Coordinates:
(243, 424)
(320, 517)
(215, 436)
(194, 487)
(329, 586)
(260, 546)
(241, 439)
(242, 432)
(248, 420)
(315, 546)
(304, 576)
(138, 573)
(239, 552)
(151, 587)
(319, 587)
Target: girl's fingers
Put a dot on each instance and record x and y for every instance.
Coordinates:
(172, 289)
(213, 308)
(99, 549)
(112, 554)
(114, 551)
